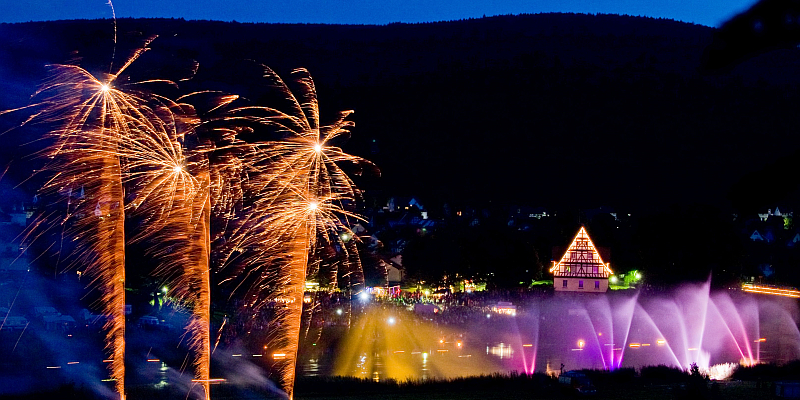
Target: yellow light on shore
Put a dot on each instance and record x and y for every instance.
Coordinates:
(775, 291)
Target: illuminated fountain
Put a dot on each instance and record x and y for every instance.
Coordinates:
(690, 326)
(717, 331)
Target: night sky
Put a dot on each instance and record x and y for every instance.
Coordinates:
(710, 13)
(617, 99)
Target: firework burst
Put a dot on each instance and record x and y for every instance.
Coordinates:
(118, 149)
(169, 180)
(92, 120)
(302, 200)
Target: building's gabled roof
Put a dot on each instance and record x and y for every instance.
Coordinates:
(581, 259)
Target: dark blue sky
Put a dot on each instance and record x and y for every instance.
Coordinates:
(705, 12)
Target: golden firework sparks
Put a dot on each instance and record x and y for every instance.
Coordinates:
(301, 200)
(117, 149)
(92, 120)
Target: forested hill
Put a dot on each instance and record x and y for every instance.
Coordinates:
(546, 109)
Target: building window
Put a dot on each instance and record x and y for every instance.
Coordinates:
(596, 269)
(564, 284)
(597, 284)
(580, 284)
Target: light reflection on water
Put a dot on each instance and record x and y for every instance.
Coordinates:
(387, 343)
(557, 333)
(440, 360)
(311, 367)
(501, 350)
(163, 381)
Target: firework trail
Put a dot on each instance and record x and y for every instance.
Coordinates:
(92, 120)
(125, 144)
(118, 150)
(167, 171)
(301, 200)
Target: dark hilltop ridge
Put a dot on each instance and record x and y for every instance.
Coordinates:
(565, 110)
